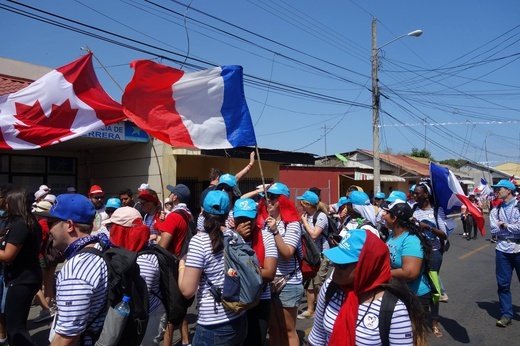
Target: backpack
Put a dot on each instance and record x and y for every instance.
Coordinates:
(385, 312)
(243, 283)
(191, 231)
(175, 304)
(311, 260)
(124, 279)
(331, 230)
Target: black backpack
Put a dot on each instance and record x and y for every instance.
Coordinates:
(124, 279)
(332, 227)
(385, 312)
(175, 304)
(311, 261)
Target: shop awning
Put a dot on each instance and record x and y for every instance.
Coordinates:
(370, 176)
(467, 182)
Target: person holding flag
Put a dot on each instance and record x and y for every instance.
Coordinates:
(505, 225)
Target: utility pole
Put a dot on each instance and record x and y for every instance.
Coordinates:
(375, 109)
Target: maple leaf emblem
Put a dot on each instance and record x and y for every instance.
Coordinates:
(40, 129)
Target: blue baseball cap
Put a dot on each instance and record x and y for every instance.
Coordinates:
(245, 207)
(279, 189)
(75, 207)
(358, 198)
(506, 184)
(380, 195)
(342, 201)
(310, 197)
(113, 203)
(396, 194)
(216, 202)
(226, 179)
(412, 188)
(349, 248)
(181, 191)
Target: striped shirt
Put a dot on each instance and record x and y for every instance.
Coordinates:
(367, 330)
(81, 293)
(200, 255)
(321, 221)
(429, 215)
(270, 251)
(200, 221)
(150, 272)
(291, 236)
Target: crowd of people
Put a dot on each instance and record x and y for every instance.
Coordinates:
(373, 287)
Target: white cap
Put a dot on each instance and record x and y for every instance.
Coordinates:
(44, 188)
(50, 198)
(144, 186)
(40, 193)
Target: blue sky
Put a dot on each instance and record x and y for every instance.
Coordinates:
(308, 68)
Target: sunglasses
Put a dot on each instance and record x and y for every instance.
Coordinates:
(98, 197)
(272, 196)
(53, 221)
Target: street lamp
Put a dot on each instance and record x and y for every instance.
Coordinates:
(375, 99)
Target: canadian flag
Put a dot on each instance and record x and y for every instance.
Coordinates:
(63, 104)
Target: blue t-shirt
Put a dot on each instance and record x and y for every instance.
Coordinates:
(408, 245)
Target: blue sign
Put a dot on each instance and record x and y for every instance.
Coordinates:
(121, 131)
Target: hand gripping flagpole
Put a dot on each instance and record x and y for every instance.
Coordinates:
(87, 49)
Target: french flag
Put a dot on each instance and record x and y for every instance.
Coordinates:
(205, 109)
(450, 196)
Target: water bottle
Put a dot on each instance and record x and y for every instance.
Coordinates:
(123, 308)
(115, 322)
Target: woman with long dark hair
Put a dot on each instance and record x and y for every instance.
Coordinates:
(19, 249)
(203, 271)
(430, 219)
(410, 250)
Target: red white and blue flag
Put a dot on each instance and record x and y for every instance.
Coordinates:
(205, 109)
(449, 194)
(483, 188)
(65, 103)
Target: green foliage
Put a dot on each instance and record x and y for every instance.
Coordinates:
(421, 153)
(454, 163)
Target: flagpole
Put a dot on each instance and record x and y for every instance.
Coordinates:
(261, 173)
(149, 137)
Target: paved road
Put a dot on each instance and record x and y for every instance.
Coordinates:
(468, 318)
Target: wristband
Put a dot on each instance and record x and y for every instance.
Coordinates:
(249, 166)
(182, 267)
(276, 233)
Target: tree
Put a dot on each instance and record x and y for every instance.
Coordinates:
(421, 153)
(454, 163)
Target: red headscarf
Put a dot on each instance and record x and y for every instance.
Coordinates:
(131, 238)
(372, 270)
(288, 211)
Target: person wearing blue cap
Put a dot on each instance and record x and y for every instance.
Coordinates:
(281, 218)
(351, 303)
(411, 197)
(204, 264)
(361, 213)
(314, 227)
(262, 242)
(82, 282)
(504, 222)
(430, 219)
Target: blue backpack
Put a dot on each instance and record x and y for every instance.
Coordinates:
(243, 284)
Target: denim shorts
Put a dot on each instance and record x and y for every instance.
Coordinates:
(290, 297)
(225, 334)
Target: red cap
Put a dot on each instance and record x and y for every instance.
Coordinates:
(147, 196)
(95, 190)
